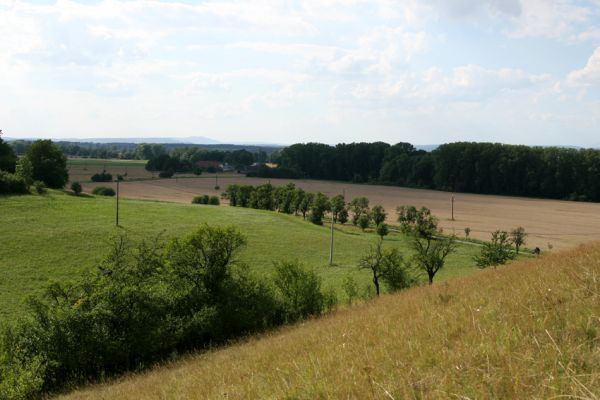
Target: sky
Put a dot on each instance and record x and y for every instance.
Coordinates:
(425, 72)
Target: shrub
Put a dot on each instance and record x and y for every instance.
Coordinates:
(197, 200)
(102, 177)
(363, 221)
(214, 200)
(496, 252)
(166, 174)
(103, 191)
(12, 184)
(76, 188)
(299, 291)
(40, 187)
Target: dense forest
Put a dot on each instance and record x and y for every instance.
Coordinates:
(488, 168)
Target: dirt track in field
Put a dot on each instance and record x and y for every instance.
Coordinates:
(550, 223)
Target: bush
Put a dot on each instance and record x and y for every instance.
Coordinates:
(40, 187)
(76, 188)
(103, 191)
(214, 201)
(12, 184)
(102, 177)
(166, 174)
(299, 291)
(202, 199)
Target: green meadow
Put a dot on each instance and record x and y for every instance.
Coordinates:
(59, 236)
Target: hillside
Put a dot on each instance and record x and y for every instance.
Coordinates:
(528, 330)
(58, 237)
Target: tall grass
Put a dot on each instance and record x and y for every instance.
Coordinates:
(528, 330)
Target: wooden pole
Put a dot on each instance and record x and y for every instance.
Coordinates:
(331, 243)
(452, 207)
(117, 202)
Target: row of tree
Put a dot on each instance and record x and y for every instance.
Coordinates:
(489, 168)
(185, 159)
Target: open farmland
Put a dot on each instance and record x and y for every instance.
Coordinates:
(528, 330)
(550, 223)
(58, 237)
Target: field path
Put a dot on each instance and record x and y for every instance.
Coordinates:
(550, 223)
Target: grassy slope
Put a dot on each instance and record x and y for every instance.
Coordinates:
(528, 330)
(58, 236)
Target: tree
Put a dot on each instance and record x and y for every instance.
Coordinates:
(430, 254)
(467, 232)
(24, 169)
(363, 221)
(49, 163)
(517, 236)
(358, 206)
(203, 260)
(76, 188)
(8, 159)
(306, 203)
(338, 205)
(299, 290)
(378, 214)
(382, 230)
(388, 266)
(319, 207)
(343, 216)
(496, 252)
(420, 223)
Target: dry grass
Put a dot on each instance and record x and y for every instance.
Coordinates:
(562, 224)
(528, 330)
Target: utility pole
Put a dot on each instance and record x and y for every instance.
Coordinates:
(216, 181)
(117, 202)
(331, 243)
(452, 207)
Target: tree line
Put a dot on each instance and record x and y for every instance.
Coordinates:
(487, 168)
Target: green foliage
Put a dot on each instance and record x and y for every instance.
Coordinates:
(467, 232)
(420, 223)
(496, 252)
(144, 302)
(382, 230)
(24, 169)
(430, 254)
(103, 191)
(168, 173)
(12, 184)
(49, 163)
(8, 159)
(214, 201)
(202, 199)
(102, 177)
(284, 198)
(363, 221)
(319, 207)
(338, 207)
(517, 236)
(299, 290)
(76, 188)
(386, 265)
(306, 204)
(378, 214)
(359, 206)
(350, 288)
(343, 216)
(39, 187)
(262, 197)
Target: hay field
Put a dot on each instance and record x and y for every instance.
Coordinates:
(550, 223)
(530, 330)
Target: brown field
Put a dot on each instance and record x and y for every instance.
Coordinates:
(550, 223)
(530, 330)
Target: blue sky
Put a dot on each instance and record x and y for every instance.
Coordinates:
(430, 71)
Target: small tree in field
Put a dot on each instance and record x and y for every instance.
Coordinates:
(467, 232)
(76, 188)
(497, 252)
(382, 230)
(358, 206)
(338, 205)
(378, 214)
(387, 266)
(343, 216)
(430, 254)
(420, 223)
(363, 221)
(518, 237)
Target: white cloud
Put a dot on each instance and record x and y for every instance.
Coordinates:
(588, 75)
